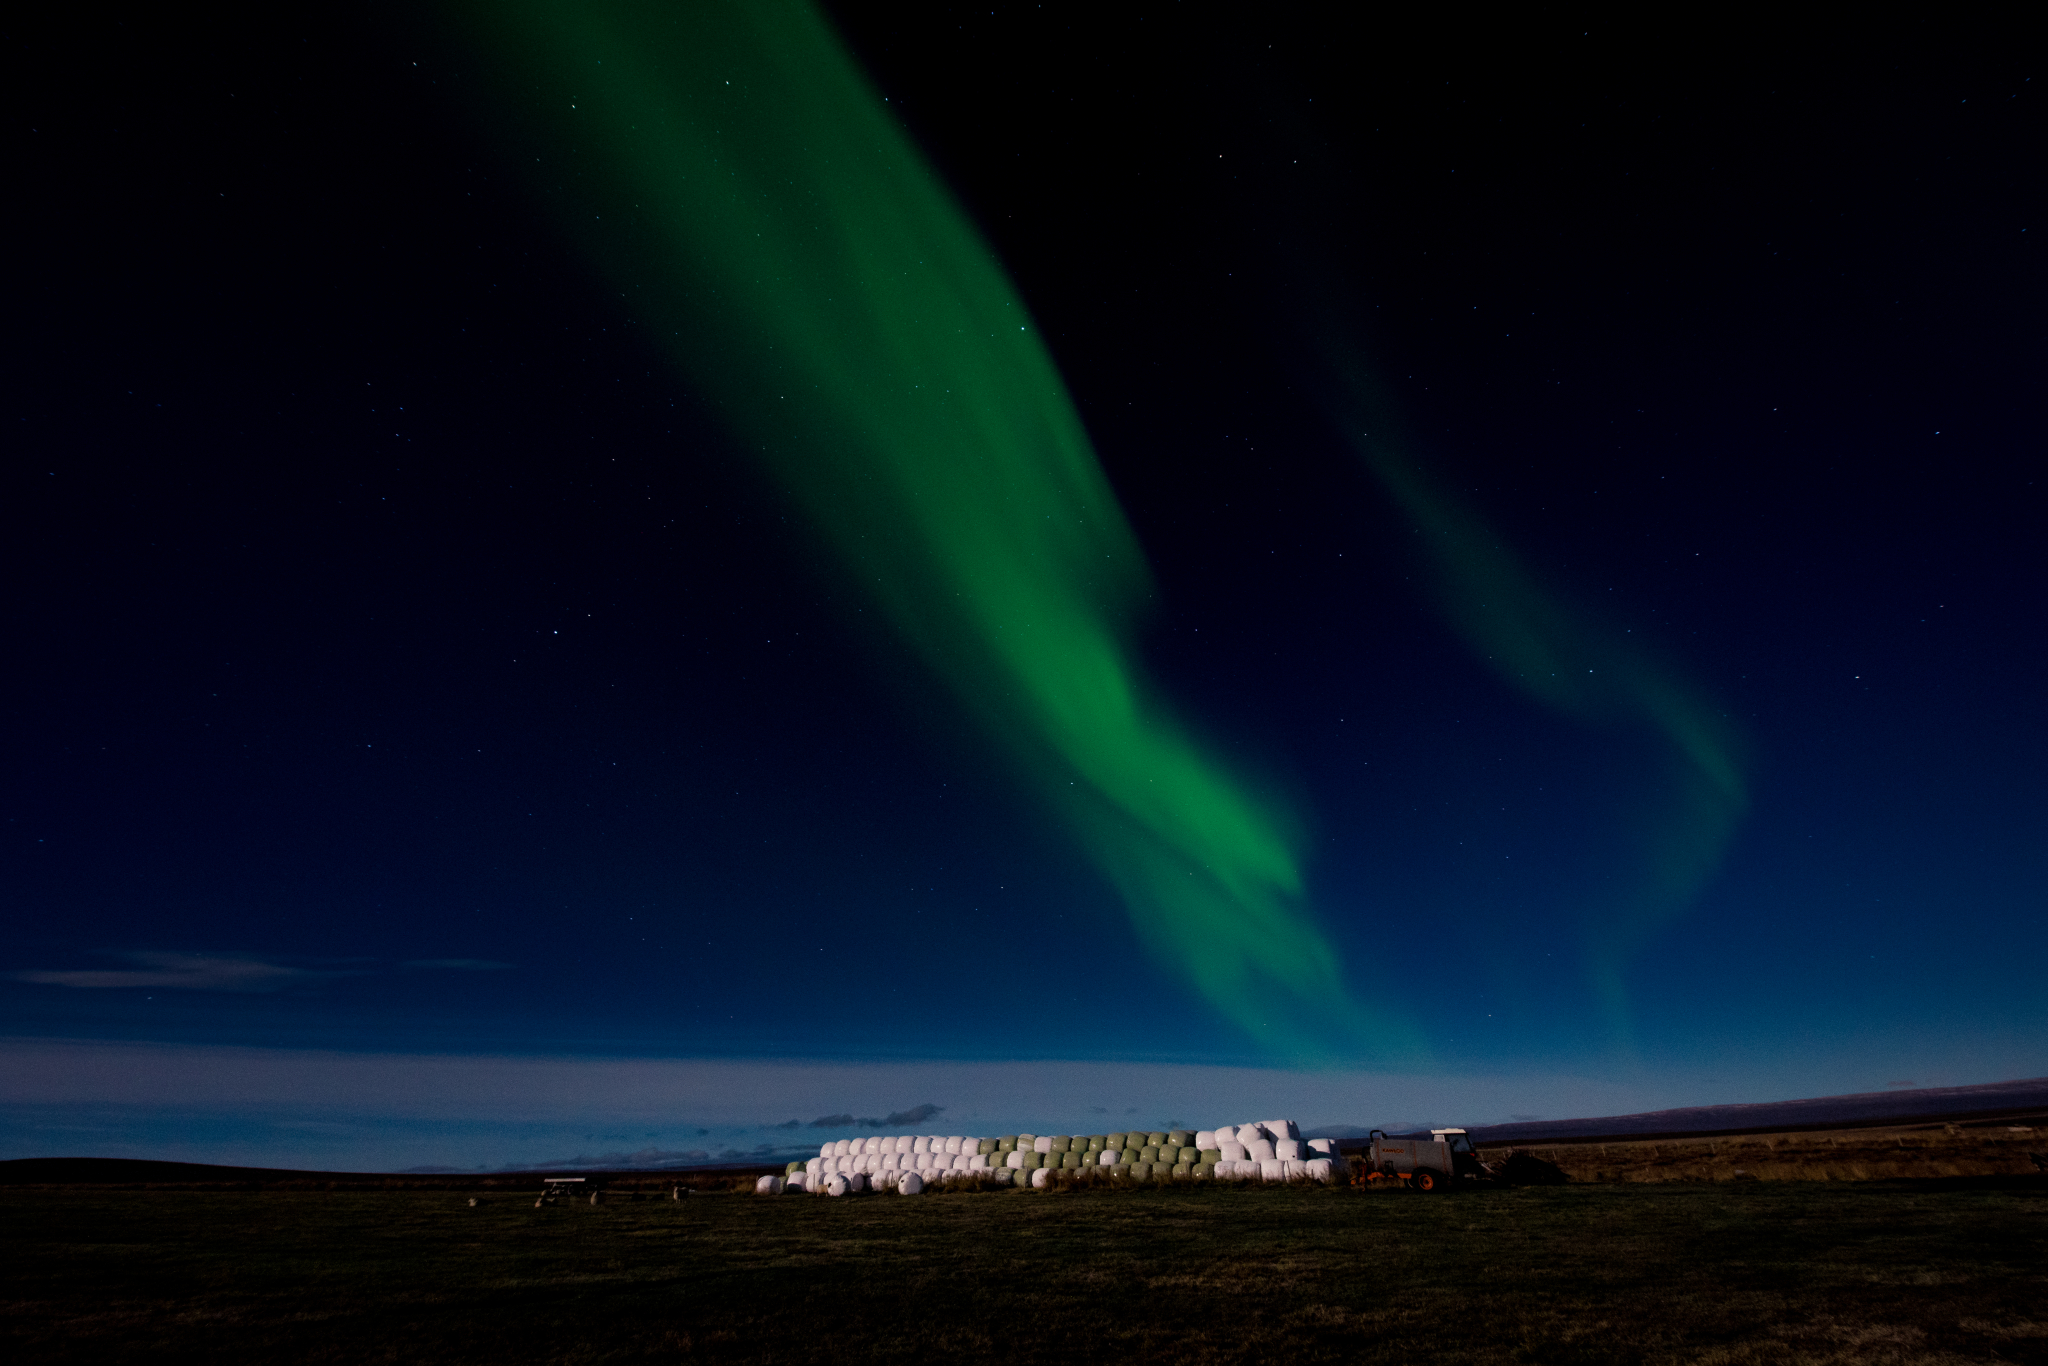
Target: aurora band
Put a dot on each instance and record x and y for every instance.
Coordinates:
(729, 168)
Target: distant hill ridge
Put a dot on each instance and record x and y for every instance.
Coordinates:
(1821, 1112)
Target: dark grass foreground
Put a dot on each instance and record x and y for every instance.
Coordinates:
(1754, 1273)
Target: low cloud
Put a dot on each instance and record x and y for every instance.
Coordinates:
(159, 970)
(916, 1114)
(177, 972)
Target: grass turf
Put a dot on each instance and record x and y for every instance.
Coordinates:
(1786, 1272)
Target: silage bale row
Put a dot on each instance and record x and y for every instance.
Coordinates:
(1272, 1150)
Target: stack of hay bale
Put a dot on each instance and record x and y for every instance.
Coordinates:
(1271, 1150)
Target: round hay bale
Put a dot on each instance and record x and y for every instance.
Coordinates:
(768, 1185)
(1287, 1149)
(1072, 1161)
(1178, 1138)
(910, 1184)
(1040, 1178)
(811, 1165)
(984, 1146)
(1320, 1168)
(1041, 1144)
(1323, 1147)
(1115, 1141)
(1291, 1169)
(1261, 1150)
(1280, 1128)
(1272, 1169)
(1232, 1150)
(1126, 1157)
(1210, 1155)
(1205, 1138)
(1149, 1153)
(1027, 1140)
(1183, 1168)
(1097, 1142)
(793, 1167)
(1106, 1158)
(836, 1184)
(953, 1142)
(1154, 1141)
(1204, 1171)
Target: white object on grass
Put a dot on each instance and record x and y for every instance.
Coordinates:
(1040, 1177)
(910, 1184)
(1273, 1169)
(768, 1185)
(1261, 1150)
(1321, 1168)
(1287, 1149)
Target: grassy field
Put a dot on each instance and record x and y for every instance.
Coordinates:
(1765, 1272)
(1909, 1151)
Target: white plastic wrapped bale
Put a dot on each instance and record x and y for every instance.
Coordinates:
(1106, 1158)
(957, 1144)
(1273, 1169)
(1281, 1128)
(1321, 1168)
(1287, 1149)
(1013, 1160)
(837, 1185)
(1040, 1177)
(795, 1181)
(910, 1183)
(1233, 1151)
(1289, 1170)
(1205, 1138)
(1323, 1147)
(768, 1185)
(1261, 1150)
(1042, 1144)
(813, 1166)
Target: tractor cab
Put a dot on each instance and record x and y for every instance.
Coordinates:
(1463, 1156)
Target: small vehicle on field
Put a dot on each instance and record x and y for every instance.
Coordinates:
(1445, 1159)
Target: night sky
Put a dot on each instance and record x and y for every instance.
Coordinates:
(1566, 501)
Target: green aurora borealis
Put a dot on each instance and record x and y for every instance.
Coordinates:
(739, 180)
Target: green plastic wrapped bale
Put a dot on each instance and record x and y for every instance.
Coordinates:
(1155, 1140)
(1061, 1143)
(1097, 1142)
(1190, 1155)
(1032, 1161)
(1116, 1140)
(1026, 1140)
(1149, 1153)
(1204, 1171)
(792, 1167)
(1179, 1138)
(1007, 1144)
(1183, 1168)
(1212, 1155)
(1075, 1161)
(1126, 1157)
(985, 1146)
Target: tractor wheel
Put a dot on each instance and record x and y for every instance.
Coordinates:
(1429, 1181)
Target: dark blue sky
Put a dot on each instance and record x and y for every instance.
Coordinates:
(404, 660)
